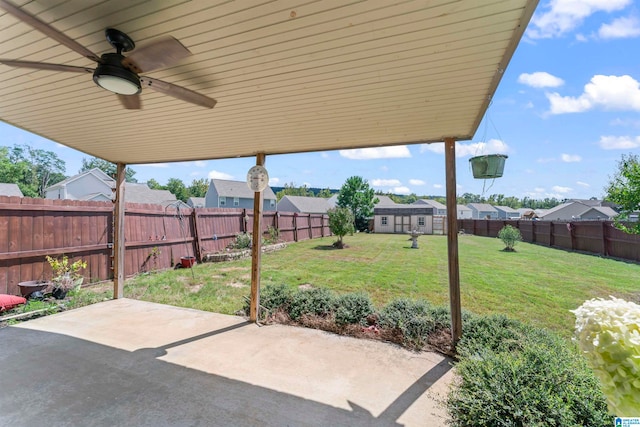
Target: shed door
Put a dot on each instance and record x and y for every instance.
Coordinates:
(402, 224)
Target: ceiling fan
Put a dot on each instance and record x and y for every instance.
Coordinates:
(115, 72)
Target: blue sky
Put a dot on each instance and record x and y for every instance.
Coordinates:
(567, 108)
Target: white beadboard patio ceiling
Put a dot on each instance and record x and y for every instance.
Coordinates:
(289, 76)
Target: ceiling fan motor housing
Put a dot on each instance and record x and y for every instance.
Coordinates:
(113, 76)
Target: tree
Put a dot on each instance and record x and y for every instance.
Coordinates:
(155, 185)
(32, 169)
(177, 187)
(106, 167)
(624, 191)
(292, 190)
(340, 223)
(356, 195)
(510, 236)
(325, 193)
(198, 187)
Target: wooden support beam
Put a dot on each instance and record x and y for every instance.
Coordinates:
(118, 234)
(452, 241)
(256, 250)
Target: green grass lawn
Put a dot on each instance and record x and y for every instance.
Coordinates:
(535, 284)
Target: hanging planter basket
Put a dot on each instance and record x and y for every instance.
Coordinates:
(488, 166)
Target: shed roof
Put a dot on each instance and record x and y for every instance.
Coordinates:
(306, 204)
(482, 207)
(288, 77)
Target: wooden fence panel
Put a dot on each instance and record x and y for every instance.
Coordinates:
(155, 237)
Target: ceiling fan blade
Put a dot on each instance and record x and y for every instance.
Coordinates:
(46, 66)
(178, 92)
(159, 54)
(48, 30)
(130, 102)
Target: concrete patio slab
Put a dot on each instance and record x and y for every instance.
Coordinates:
(135, 363)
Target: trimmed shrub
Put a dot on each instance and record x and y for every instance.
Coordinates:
(317, 301)
(412, 318)
(516, 375)
(510, 236)
(353, 308)
(272, 297)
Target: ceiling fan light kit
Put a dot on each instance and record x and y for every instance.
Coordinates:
(112, 76)
(115, 72)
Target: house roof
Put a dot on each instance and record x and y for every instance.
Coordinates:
(141, 193)
(226, 188)
(606, 211)
(506, 209)
(384, 200)
(198, 202)
(430, 202)
(303, 76)
(306, 204)
(482, 207)
(9, 189)
(463, 208)
(98, 173)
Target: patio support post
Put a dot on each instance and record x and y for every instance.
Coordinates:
(256, 251)
(452, 241)
(118, 234)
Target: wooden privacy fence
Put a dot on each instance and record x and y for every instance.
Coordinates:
(597, 237)
(156, 237)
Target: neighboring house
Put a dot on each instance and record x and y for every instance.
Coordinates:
(196, 202)
(95, 185)
(403, 218)
(527, 213)
(506, 212)
(236, 194)
(438, 208)
(576, 210)
(10, 190)
(482, 211)
(303, 204)
(464, 212)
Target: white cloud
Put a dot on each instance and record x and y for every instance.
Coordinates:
(562, 16)
(219, 175)
(274, 181)
(570, 158)
(437, 185)
(400, 190)
(583, 184)
(620, 28)
(385, 182)
(619, 142)
(607, 92)
(539, 190)
(540, 79)
(561, 190)
(154, 165)
(200, 163)
(416, 182)
(399, 151)
(494, 146)
(324, 155)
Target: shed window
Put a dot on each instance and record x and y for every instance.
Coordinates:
(421, 221)
(272, 203)
(384, 220)
(236, 201)
(222, 201)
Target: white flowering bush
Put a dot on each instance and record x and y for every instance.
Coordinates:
(608, 332)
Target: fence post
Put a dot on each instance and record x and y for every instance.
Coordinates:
(570, 226)
(196, 236)
(604, 240)
(551, 236)
(533, 231)
(295, 226)
(310, 228)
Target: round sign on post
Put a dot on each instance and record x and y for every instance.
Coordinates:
(257, 178)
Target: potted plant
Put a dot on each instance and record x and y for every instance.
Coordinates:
(488, 166)
(66, 275)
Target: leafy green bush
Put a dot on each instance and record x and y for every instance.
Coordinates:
(513, 374)
(272, 297)
(273, 236)
(242, 241)
(340, 223)
(509, 236)
(317, 301)
(413, 318)
(353, 308)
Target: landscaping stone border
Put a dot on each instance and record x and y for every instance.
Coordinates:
(245, 253)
